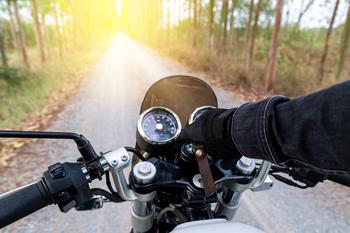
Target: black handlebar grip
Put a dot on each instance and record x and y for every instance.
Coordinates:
(21, 202)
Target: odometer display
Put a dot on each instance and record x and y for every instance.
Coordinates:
(159, 125)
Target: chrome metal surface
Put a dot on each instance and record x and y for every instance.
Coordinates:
(96, 202)
(142, 221)
(268, 184)
(144, 136)
(262, 174)
(123, 160)
(193, 114)
(86, 173)
(245, 166)
(197, 181)
(104, 164)
(144, 172)
(228, 209)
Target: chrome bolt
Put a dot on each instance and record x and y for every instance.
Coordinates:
(124, 158)
(144, 169)
(115, 162)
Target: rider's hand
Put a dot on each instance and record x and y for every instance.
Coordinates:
(212, 129)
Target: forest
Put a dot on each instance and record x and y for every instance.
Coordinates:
(255, 47)
(46, 46)
(260, 46)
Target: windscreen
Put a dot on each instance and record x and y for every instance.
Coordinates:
(182, 94)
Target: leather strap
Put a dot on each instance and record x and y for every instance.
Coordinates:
(204, 169)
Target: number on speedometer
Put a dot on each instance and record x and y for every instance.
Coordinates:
(159, 125)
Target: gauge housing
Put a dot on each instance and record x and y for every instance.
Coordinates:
(157, 127)
(198, 111)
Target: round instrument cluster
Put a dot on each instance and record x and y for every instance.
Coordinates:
(159, 125)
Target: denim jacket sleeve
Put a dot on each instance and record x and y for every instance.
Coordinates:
(313, 129)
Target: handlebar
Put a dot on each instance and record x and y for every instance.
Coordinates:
(23, 201)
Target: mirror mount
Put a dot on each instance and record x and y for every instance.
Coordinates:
(85, 148)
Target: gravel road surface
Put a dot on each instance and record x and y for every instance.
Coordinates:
(105, 109)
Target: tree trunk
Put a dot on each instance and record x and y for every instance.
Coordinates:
(200, 8)
(211, 24)
(57, 29)
(15, 41)
(326, 44)
(232, 17)
(286, 27)
(2, 48)
(46, 37)
(254, 32)
(65, 41)
(20, 34)
(189, 8)
(168, 22)
(344, 46)
(248, 32)
(194, 41)
(301, 14)
(224, 24)
(38, 31)
(270, 73)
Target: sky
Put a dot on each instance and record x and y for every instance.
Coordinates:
(319, 14)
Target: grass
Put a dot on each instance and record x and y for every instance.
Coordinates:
(24, 92)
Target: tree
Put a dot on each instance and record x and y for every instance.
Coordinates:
(2, 48)
(211, 24)
(39, 34)
(270, 73)
(344, 45)
(301, 14)
(224, 23)
(45, 34)
(194, 23)
(13, 28)
(232, 17)
(57, 29)
(326, 44)
(248, 32)
(254, 32)
(20, 34)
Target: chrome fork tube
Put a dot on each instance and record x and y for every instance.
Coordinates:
(228, 203)
(142, 213)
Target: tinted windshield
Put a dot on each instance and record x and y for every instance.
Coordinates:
(182, 94)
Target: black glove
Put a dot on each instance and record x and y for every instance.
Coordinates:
(212, 129)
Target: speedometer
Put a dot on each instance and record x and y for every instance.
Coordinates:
(159, 125)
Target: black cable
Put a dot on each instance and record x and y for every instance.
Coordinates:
(109, 184)
(136, 152)
(114, 198)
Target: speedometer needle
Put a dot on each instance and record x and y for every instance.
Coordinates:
(154, 120)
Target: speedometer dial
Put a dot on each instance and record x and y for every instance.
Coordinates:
(159, 125)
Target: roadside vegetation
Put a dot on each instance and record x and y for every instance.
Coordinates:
(47, 51)
(259, 46)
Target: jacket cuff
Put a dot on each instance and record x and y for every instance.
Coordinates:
(250, 129)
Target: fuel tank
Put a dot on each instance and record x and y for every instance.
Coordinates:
(215, 225)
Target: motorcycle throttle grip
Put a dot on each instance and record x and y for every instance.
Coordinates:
(23, 201)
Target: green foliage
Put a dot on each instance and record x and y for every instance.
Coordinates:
(24, 92)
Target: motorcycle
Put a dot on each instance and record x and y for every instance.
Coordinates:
(174, 185)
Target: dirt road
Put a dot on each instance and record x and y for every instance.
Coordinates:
(105, 109)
